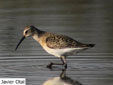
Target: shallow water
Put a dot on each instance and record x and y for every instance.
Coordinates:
(88, 21)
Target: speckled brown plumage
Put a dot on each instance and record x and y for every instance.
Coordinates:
(55, 41)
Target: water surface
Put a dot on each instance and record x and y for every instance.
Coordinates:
(88, 21)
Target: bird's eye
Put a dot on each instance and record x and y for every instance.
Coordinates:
(26, 32)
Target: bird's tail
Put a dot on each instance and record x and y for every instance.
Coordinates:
(91, 45)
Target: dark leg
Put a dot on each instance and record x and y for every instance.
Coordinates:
(63, 59)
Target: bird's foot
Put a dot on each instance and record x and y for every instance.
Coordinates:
(50, 65)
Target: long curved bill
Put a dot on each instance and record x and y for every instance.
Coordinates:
(19, 42)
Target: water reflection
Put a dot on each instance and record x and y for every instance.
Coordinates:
(62, 79)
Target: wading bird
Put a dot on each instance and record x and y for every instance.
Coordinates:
(58, 45)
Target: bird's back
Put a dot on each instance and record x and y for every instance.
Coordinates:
(56, 41)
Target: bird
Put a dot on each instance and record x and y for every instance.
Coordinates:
(55, 44)
(62, 79)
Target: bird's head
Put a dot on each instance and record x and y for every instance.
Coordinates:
(28, 31)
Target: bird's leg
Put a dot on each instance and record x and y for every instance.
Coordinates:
(63, 59)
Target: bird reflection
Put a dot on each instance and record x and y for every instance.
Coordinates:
(61, 80)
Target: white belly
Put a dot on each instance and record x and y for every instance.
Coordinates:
(61, 52)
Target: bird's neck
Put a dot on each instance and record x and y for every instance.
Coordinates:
(35, 37)
(37, 34)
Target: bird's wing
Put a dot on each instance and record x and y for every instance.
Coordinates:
(60, 41)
